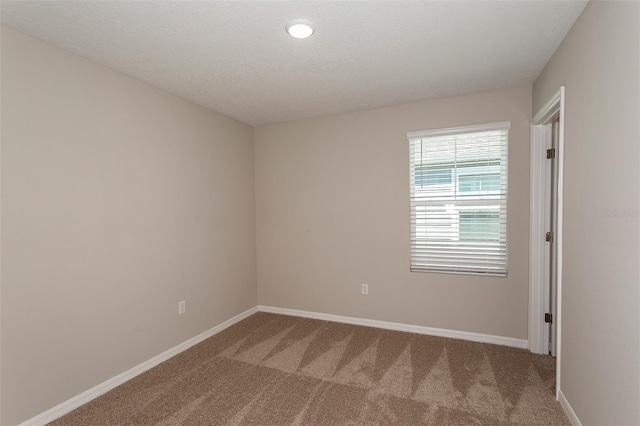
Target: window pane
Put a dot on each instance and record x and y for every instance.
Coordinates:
(432, 175)
(479, 182)
(480, 225)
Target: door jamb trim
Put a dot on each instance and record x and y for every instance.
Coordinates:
(540, 132)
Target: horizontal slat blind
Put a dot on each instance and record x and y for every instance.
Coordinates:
(458, 190)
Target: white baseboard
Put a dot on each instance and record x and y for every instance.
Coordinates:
(454, 334)
(568, 410)
(90, 394)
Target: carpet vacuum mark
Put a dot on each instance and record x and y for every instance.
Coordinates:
(280, 370)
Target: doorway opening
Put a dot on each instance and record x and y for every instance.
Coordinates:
(551, 253)
(545, 254)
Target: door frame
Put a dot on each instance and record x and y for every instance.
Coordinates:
(541, 134)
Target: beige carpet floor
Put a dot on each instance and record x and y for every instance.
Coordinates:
(280, 370)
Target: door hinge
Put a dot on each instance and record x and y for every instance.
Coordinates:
(551, 153)
(548, 318)
(548, 237)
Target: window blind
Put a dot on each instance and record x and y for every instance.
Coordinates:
(458, 199)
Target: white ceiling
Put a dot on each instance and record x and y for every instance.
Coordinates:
(235, 57)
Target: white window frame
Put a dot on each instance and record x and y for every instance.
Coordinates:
(489, 202)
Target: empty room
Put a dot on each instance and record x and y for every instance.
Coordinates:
(319, 212)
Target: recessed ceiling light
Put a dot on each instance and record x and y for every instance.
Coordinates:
(300, 28)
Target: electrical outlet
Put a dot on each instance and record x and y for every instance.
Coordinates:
(365, 288)
(182, 307)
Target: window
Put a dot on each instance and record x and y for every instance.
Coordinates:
(458, 196)
(433, 175)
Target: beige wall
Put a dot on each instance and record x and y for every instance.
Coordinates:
(332, 205)
(118, 201)
(598, 62)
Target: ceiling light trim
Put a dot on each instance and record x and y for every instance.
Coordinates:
(300, 28)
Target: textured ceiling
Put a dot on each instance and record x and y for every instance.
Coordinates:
(235, 57)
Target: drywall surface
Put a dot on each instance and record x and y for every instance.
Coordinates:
(332, 205)
(599, 63)
(118, 201)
